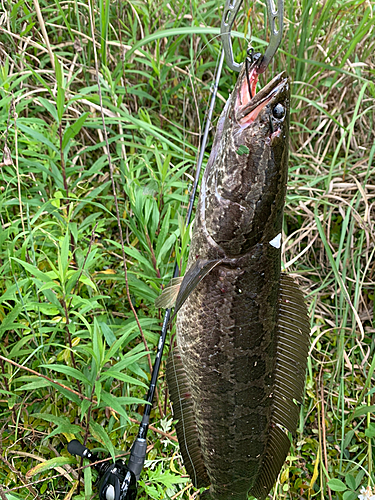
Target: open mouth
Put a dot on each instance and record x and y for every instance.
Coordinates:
(249, 103)
(248, 86)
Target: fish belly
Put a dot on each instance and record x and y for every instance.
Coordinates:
(226, 335)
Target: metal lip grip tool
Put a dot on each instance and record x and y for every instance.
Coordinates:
(275, 20)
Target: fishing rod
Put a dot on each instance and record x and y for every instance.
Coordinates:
(118, 481)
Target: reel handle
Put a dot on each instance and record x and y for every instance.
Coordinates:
(76, 448)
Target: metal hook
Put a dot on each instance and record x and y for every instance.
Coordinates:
(248, 62)
(251, 61)
(275, 20)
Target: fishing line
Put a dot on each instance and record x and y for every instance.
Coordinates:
(205, 136)
(209, 43)
(208, 116)
(144, 424)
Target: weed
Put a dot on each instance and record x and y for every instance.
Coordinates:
(78, 332)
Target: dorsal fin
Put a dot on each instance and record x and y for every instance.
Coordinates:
(186, 427)
(292, 350)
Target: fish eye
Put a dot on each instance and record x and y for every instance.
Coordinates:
(278, 111)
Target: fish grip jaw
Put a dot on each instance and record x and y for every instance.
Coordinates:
(276, 24)
(230, 12)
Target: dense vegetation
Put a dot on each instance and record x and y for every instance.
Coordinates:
(102, 108)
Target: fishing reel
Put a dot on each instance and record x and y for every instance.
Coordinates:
(117, 481)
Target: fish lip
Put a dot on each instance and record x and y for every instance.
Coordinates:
(263, 96)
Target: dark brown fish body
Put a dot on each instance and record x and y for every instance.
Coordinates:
(240, 358)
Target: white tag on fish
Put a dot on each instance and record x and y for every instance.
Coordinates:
(276, 242)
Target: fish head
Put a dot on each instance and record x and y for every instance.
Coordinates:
(244, 189)
(253, 117)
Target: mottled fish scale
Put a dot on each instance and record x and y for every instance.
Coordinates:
(242, 328)
(230, 368)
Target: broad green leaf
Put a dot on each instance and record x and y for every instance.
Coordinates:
(49, 464)
(131, 401)
(71, 283)
(166, 248)
(350, 481)
(8, 322)
(363, 410)
(100, 435)
(150, 490)
(137, 370)
(7, 393)
(51, 418)
(33, 270)
(98, 390)
(42, 382)
(68, 370)
(98, 344)
(370, 431)
(119, 343)
(10, 292)
(50, 107)
(112, 373)
(74, 129)
(37, 136)
(12, 496)
(350, 495)
(66, 429)
(163, 233)
(64, 257)
(87, 475)
(337, 485)
(111, 401)
(63, 424)
(84, 407)
(109, 336)
(127, 361)
(348, 437)
(60, 98)
(139, 258)
(50, 285)
(172, 32)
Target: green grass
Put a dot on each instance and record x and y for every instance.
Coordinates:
(77, 332)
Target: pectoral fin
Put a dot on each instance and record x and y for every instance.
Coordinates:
(169, 295)
(179, 289)
(292, 350)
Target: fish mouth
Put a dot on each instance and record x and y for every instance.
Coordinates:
(249, 103)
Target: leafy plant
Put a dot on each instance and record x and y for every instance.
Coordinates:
(78, 324)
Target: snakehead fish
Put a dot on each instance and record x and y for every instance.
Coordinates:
(237, 373)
